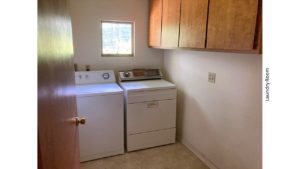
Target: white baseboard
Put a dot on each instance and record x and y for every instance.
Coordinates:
(198, 154)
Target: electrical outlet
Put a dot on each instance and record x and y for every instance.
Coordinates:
(211, 77)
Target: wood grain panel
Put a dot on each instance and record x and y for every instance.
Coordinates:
(231, 24)
(258, 35)
(58, 146)
(155, 19)
(170, 23)
(193, 23)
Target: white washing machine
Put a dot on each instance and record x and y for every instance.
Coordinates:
(101, 101)
(150, 109)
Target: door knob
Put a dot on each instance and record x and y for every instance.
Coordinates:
(79, 120)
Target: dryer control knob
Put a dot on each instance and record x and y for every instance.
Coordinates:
(126, 74)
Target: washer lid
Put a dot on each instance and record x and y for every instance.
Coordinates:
(98, 89)
(147, 85)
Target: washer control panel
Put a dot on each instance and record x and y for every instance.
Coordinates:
(95, 77)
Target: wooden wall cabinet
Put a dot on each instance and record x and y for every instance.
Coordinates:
(193, 23)
(170, 23)
(164, 18)
(155, 17)
(232, 24)
(220, 25)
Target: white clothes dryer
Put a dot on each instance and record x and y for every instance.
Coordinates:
(150, 111)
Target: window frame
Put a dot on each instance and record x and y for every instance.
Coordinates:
(132, 41)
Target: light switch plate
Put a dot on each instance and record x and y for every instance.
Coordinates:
(211, 77)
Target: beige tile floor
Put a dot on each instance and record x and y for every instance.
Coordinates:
(174, 156)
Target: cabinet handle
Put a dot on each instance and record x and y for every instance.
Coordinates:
(152, 105)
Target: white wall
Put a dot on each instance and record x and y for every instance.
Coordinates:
(221, 122)
(86, 16)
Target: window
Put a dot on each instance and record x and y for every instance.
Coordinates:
(117, 38)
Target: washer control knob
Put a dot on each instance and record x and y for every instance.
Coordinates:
(105, 76)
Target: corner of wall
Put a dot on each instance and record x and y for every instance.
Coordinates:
(209, 163)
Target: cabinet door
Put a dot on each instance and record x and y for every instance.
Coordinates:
(155, 18)
(193, 23)
(231, 24)
(170, 23)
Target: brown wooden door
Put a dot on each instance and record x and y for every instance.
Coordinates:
(231, 24)
(58, 146)
(193, 23)
(155, 18)
(170, 23)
